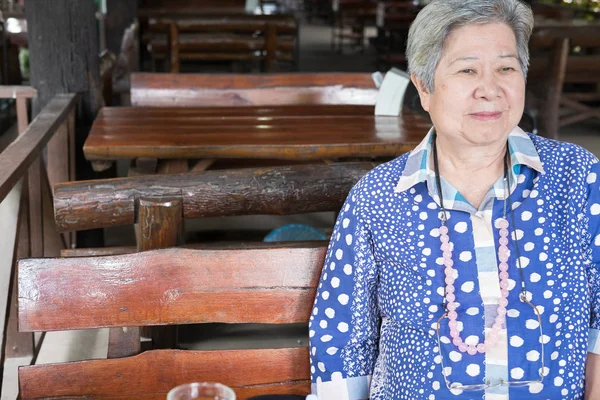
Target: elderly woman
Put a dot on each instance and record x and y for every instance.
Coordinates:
(467, 268)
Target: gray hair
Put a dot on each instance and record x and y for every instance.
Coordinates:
(429, 31)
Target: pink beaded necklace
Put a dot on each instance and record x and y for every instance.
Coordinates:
(503, 254)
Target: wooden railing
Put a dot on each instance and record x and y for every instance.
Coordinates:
(40, 156)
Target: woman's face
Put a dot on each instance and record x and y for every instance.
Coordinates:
(479, 90)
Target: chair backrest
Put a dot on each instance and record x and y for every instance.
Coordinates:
(265, 285)
(185, 90)
(283, 190)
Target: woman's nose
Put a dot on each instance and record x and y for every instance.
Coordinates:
(488, 87)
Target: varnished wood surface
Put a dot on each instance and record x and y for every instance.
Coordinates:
(286, 132)
(152, 374)
(201, 90)
(22, 153)
(281, 190)
(169, 286)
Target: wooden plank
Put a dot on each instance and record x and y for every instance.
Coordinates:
(265, 137)
(14, 92)
(58, 155)
(20, 154)
(274, 285)
(251, 89)
(152, 374)
(36, 212)
(276, 190)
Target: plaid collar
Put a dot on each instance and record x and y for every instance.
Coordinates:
(418, 169)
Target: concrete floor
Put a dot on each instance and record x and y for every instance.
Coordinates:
(315, 56)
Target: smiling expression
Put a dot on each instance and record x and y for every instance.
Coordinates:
(479, 91)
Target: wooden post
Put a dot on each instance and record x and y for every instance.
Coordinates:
(271, 45)
(64, 58)
(159, 225)
(174, 47)
(549, 113)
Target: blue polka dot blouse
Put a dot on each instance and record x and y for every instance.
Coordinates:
(374, 330)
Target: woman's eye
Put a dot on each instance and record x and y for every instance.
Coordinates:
(507, 69)
(467, 71)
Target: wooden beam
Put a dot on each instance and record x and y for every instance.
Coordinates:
(170, 286)
(152, 374)
(21, 153)
(277, 191)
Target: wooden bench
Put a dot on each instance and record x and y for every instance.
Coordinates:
(159, 204)
(269, 39)
(189, 90)
(269, 285)
(285, 190)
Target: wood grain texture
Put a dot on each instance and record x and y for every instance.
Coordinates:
(288, 133)
(160, 224)
(195, 90)
(169, 286)
(277, 190)
(21, 153)
(152, 374)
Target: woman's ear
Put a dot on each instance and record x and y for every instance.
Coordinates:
(424, 94)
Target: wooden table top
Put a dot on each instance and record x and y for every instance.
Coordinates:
(283, 132)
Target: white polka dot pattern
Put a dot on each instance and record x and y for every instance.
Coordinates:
(381, 294)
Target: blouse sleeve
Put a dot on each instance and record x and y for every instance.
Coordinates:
(593, 267)
(344, 325)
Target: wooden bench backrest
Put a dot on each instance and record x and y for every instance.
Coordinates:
(250, 191)
(185, 90)
(170, 286)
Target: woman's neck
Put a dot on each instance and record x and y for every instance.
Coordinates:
(472, 171)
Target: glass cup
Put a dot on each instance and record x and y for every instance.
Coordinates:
(201, 390)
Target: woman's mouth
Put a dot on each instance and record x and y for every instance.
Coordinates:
(487, 115)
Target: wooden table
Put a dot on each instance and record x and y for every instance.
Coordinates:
(286, 132)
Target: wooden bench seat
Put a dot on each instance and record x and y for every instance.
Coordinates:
(267, 285)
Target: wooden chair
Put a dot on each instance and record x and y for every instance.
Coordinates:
(269, 285)
(185, 90)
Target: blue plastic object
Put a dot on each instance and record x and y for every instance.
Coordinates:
(294, 232)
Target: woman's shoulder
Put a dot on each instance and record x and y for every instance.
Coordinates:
(378, 183)
(384, 176)
(557, 155)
